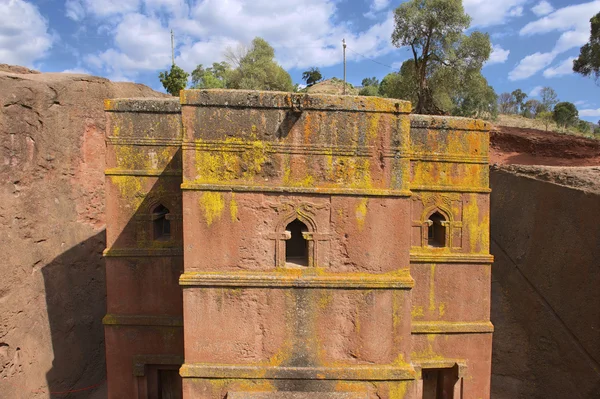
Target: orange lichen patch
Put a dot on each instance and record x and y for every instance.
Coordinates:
(476, 220)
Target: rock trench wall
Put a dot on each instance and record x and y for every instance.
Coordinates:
(545, 283)
(52, 279)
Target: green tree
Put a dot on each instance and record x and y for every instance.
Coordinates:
(583, 126)
(174, 80)
(433, 29)
(312, 76)
(474, 97)
(257, 70)
(506, 103)
(369, 91)
(549, 98)
(519, 97)
(402, 85)
(546, 118)
(214, 77)
(565, 114)
(370, 82)
(531, 108)
(588, 62)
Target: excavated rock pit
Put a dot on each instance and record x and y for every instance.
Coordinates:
(545, 237)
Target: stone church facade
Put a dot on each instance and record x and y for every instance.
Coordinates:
(272, 245)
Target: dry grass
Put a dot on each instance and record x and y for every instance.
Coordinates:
(332, 86)
(526, 123)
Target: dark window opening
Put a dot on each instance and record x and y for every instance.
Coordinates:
(436, 233)
(296, 247)
(439, 383)
(169, 384)
(161, 223)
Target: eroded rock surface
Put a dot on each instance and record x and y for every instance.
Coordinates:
(52, 286)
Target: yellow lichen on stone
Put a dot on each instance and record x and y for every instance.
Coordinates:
(130, 188)
(233, 208)
(212, 203)
(398, 389)
(432, 289)
(361, 212)
(417, 311)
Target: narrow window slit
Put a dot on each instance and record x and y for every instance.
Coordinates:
(161, 223)
(296, 247)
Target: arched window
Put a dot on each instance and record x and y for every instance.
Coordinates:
(296, 247)
(161, 223)
(436, 233)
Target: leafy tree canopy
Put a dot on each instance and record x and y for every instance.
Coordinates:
(549, 98)
(468, 94)
(565, 114)
(433, 29)
(370, 82)
(214, 77)
(174, 81)
(519, 97)
(312, 76)
(369, 91)
(257, 70)
(588, 62)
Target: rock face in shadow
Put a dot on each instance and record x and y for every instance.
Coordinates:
(52, 279)
(545, 230)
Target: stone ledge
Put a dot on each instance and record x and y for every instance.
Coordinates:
(112, 319)
(295, 279)
(296, 395)
(425, 257)
(295, 190)
(142, 252)
(449, 122)
(452, 189)
(452, 327)
(148, 105)
(143, 172)
(297, 102)
(347, 373)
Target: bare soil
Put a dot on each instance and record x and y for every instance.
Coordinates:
(519, 146)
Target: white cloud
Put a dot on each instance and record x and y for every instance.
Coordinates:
(572, 21)
(590, 112)
(142, 43)
(24, 36)
(566, 18)
(79, 71)
(536, 91)
(516, 12)
(564, 68)
(303, 32)
(498, 56)
(78, 9)
(488, 13)
(531, 65)
(542, 8)
(571, 39)
(376, 6)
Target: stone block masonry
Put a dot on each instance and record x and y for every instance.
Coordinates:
(264, 244)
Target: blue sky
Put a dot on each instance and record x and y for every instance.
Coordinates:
(534, 40)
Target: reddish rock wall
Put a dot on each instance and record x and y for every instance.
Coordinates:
(546, 274)
(52, 281)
